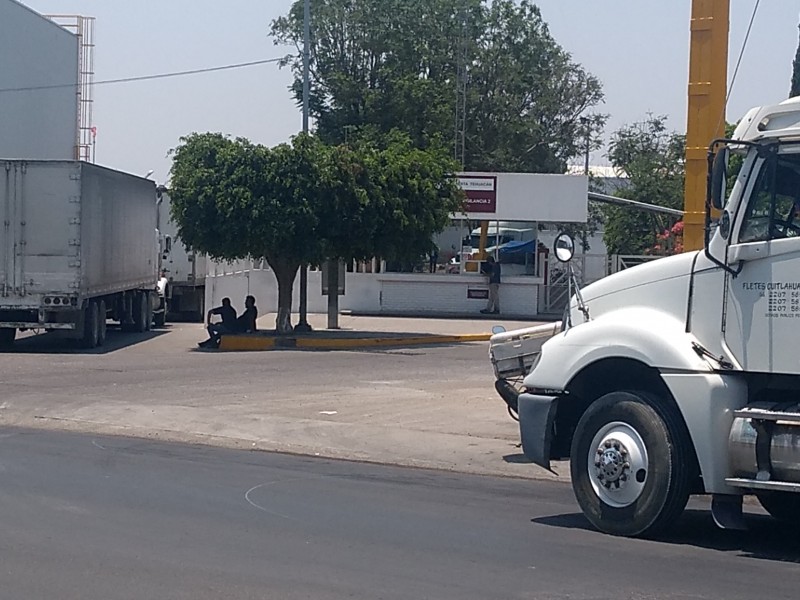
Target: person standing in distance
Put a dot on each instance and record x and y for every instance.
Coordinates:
(492, 271)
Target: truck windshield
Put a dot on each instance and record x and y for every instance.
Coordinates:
(774, 208)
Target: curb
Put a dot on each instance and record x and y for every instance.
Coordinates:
(245, 343)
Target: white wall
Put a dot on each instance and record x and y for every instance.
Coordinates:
(34, 52)
(374, 293)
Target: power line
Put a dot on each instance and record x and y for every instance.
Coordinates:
(741, 52)
(146, 77)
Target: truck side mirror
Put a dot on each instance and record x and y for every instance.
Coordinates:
(719, 178)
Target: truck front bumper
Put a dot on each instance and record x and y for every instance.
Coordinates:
(537, 415)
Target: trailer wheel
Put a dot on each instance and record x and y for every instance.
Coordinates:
(102, 315)
(7, 337)
(91, 326)
(783, 506)
(148, 304)
(631, 464)
(140, 312)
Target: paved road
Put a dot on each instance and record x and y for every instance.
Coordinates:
(424, 406)
(95, 518)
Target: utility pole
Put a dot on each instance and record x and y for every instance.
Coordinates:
(302, 325)
(708, 80)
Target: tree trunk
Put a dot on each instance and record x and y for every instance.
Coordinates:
(285, 272)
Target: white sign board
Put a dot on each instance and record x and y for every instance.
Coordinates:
(525, 197)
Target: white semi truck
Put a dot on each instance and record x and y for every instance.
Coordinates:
(185, 283)
(681, 376)
(78, 246)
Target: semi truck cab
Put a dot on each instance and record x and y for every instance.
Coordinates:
(682, 376)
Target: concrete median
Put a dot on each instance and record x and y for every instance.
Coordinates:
(343, 341)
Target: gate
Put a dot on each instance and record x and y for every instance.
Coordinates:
(554, 295)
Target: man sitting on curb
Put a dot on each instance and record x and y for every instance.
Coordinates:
(215, 330)
(246, 323)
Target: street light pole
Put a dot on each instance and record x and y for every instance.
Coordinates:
(302, 325)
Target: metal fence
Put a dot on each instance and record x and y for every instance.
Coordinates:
(554, 294)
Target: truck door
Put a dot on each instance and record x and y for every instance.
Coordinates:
(40, 212)
(761, 321)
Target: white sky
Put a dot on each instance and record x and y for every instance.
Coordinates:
(638, 49)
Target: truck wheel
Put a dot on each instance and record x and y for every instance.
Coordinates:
(102, 314)
(784, 506)
(148, 305)
(91, 326)
(7, 337)
(631, 464)
(140, 312)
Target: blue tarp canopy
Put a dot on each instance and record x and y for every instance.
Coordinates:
(528, 247)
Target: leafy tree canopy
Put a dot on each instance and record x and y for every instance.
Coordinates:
(652, 159)
(380, 65)
(305, 202)
(794, 88)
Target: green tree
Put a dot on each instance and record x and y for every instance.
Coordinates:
(794, 90)
(306, 202)
(652, 160)
(380, 65)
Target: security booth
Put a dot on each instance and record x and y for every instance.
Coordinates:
(503, 217)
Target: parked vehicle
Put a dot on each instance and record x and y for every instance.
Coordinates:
(680, 376)
(78, 246)
(185, 284)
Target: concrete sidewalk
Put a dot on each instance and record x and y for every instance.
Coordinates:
(363, 331)
(431, 406)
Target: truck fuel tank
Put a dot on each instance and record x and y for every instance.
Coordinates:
(781, 437)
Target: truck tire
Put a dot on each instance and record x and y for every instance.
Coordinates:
(783, 506)
(140, 312)
(91, 326)
(7, 337)
(102, 314)
(631, 464)
(148, 303)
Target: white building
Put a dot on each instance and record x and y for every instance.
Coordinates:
(39, 86)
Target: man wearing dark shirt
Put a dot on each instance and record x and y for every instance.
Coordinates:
(492, 271)
(246, 323)
(215, 330)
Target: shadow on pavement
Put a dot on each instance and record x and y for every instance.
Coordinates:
(766, 538)
(52, 343)
(517, 459)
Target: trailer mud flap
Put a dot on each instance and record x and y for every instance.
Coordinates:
(536, 417)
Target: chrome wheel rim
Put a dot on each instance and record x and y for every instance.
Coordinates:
(617, 464)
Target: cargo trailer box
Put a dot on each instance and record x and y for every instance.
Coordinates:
(78, 243)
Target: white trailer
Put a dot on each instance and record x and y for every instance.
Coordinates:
(185, 270)
(78, 245)
(681, 376)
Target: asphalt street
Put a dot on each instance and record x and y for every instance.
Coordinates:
(89, 517)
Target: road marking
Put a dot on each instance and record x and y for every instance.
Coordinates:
(266, 510)
(328, 412)
(98, 445)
